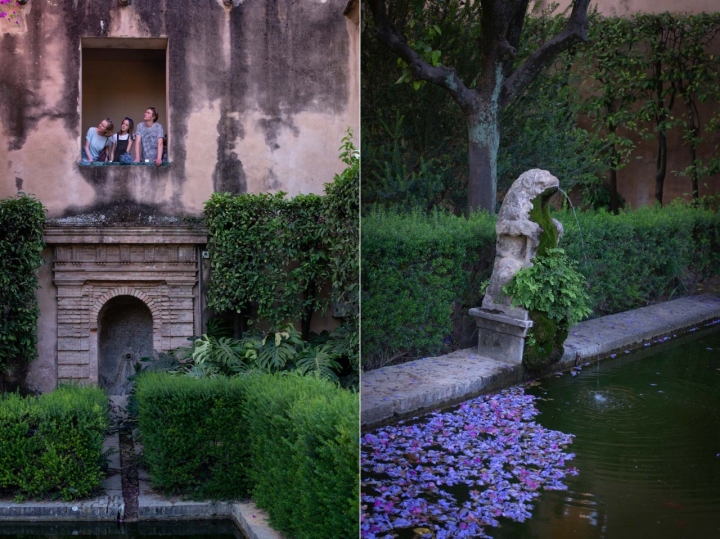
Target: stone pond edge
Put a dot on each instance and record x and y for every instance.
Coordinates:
(503, 375)
(151, 506)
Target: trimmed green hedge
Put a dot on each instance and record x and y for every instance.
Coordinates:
(51, 446)
(415, 268)
(641, 256)
(192, 440)
(304, 437)
(289, 441)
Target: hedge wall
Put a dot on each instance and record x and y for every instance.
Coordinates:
(51, 446)
(415, 268)
(304, 437)
(276, 259)
(193, 442)
(291, 442)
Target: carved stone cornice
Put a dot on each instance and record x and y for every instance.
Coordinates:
(148, 235)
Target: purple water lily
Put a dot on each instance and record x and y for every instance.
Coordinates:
(456, 473)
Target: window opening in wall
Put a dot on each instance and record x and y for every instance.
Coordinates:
(122, 79)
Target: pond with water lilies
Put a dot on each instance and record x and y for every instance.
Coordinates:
(625, 448)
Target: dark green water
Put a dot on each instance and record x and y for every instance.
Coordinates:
(647, 428)
(200, 529)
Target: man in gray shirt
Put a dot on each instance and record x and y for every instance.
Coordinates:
(151, 136)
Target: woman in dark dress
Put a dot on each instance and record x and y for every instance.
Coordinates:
(122, 143)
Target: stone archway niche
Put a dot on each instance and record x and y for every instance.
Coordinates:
(157, 266)
(125, 335)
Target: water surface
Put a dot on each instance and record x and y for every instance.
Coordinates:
(647, 446)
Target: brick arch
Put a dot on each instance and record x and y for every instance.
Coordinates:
(126, 291)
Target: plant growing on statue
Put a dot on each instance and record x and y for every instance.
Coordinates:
(554, 286)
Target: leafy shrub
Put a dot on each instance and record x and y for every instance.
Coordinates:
(51, 446)
(342, 228)
(304, 437)
(273, 351)
(21, 228)
(639, 257)
(553, 292)
(192, 439)
(415, 269)
(254, 239)
(551, 285)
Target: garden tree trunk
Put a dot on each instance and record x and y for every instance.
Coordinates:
(483, 145)
(694, 172)
(661, 117)
(661, 163)
(692, 146)
(308, 312)
(612, 173)
(612, 180)
(498, 80)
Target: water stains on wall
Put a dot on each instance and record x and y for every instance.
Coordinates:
(237, 79)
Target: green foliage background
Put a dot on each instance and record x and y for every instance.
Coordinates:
(419, 274)
(51, 446)
(21, 230)
(414, 142)
(581, 119)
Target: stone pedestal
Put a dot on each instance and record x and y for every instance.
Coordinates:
(499, 336)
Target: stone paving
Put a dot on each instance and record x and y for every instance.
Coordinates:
(396, 392)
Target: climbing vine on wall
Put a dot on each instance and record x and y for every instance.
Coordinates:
(646, 76)
(342, 210)
(21, 229)
(276, 259)
(267, 254)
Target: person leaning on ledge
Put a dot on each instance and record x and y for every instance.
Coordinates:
(97, 140)
(150, 133)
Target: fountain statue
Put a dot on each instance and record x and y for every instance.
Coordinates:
(502, 327)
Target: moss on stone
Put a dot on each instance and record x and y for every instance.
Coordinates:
(545, 346)
(540, 214)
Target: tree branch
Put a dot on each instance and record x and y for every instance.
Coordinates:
(575, 31)
(443, 76)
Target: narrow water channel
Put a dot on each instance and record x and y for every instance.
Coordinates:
(647, 446)
(194, 529)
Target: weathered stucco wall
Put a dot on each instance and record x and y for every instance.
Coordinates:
(259, 97)
(254, 98)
